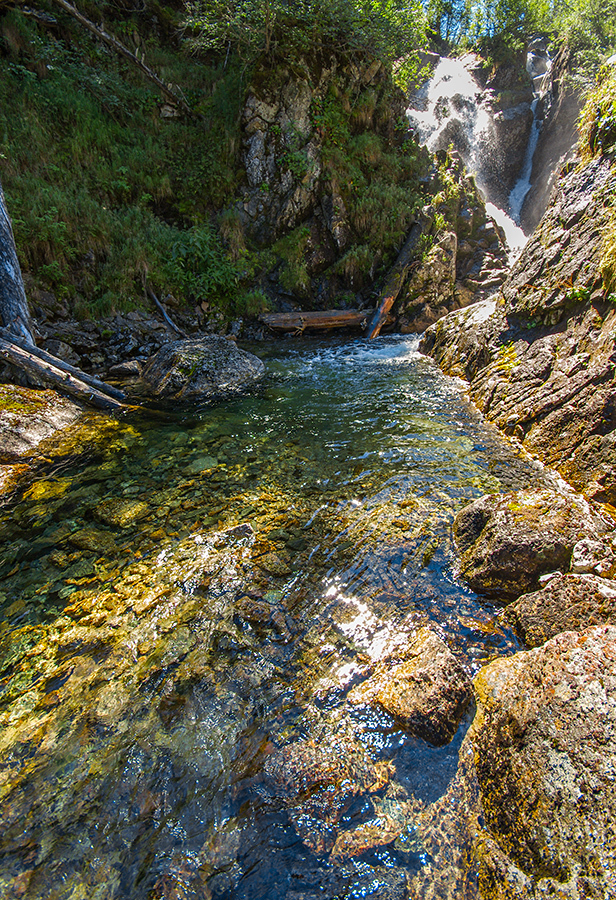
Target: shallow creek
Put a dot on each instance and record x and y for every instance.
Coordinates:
(206, 592)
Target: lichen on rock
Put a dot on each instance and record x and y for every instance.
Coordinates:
(509, 541)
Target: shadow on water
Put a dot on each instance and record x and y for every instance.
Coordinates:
(185, 618)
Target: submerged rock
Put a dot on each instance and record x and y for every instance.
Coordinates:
(508, 541)
(566, 603)
(201, 369)
(317, 782)
(427, 692)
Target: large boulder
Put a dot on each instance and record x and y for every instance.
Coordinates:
(427, 690)
(567, 603)
(508, 541)
(205, 368)
(544, 744)
(530, 814)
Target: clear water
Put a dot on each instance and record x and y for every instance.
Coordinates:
(201, 599)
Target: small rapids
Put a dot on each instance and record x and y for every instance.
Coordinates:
(185, 618)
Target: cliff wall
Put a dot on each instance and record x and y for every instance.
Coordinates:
(540, 357)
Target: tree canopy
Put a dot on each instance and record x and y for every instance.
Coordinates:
(386, 27)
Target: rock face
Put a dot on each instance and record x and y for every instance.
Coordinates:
(541, 363)
(544, 743)
(508, 541)
(201, 369)
(566, 603)
(530, 812)
(427, 692)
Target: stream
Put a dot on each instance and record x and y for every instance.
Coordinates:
(206, 593)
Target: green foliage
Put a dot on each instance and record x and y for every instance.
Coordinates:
(291, 248)
(597, 123)
(100, 187)
(251, 27)
(201, 269)
(608, 260)
(589, 28)
(502, 28)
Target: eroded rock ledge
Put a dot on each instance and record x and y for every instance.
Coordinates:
(540, 358)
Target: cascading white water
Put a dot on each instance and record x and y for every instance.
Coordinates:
(538, 66)
(449, 111)
(523, 184)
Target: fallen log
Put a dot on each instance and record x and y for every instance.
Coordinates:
(299, 321)
(57, 374)
(43, 355)
(396, 278)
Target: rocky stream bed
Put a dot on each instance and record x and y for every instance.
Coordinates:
(236, 655)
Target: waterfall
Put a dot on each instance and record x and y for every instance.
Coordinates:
(538, 66)
(447, 110)
(522, 185)
(451, 109)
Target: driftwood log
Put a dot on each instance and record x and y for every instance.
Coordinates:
(43, 367)
(395, 281)
(298, 321)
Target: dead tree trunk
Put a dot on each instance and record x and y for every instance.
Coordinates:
(395, 281)
(14, 310)
(45, 368)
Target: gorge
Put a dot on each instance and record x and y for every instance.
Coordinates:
(350, 634)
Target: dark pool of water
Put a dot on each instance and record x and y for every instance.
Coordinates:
(205, 593)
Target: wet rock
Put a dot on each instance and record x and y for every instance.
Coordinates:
(201, 369)
(566, 603)
(508, 541)
(94, 539)
(317, 782)
(274, 564)
(253, 610)
(428, 692)
(131, 368)
(375, 833)
(28, 417)
(431, 290)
